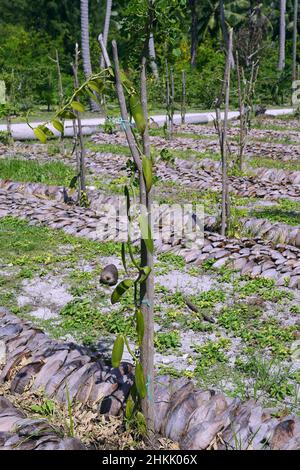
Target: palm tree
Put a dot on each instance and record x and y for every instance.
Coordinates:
(295, 31)
(194, 31)
(106, 28)
(85, 44)
(213, 16)
(282, 35)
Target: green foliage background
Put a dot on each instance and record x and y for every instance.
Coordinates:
(31, 32)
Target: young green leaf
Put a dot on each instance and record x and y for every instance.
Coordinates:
(66, 114)
(95, 87)
(127, 195)
(129, 407)
(146, 232)
(121, 288)
(140, 380)
(40, 135)
(77, 106)
(58, 125)
(73, 182)
(140, 326)
(123, 253)
(141, 423)
(136, 110)
(147, 172)
(144, 273)
(117, 351)
(46, 130)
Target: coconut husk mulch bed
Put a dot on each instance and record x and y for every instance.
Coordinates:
(34, 367)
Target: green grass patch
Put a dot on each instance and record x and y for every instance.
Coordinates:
(82, 319)
(25, 245)
(286, 211)
(109, 148)
(54, 173)
(244, 321)
(165, 342)
(272, 163)
(168, 261)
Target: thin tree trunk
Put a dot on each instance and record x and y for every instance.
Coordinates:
(59, 78)
(194, 32)
(147, 287)
(79, 130)
(8, 125)
(85, 45)
(225, 193)
(152, 56)
(295, 32)
(60, 94)
(123, 108)
(168, 99)
(241, 142)
(172, 100)
(106, 29)
(183, 98)
(282, 35)
(107, 62)
(225, 33)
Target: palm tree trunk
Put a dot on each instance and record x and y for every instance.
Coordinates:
(85, 44)
(295, 32)
(194, 35)
(106, 28)
(282, 34)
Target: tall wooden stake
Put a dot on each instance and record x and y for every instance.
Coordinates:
(183, 97)
(82, 184)
(147, 287)
(225, 192)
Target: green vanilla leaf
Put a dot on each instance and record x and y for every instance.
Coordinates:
(40, 135)
(146, 232)
(137, 113)
(140, 326)
(129, 407)
(93, 86)
(67, 114)
(46, 130)
(123, 253)
(140, 380)
(144, 273)
(58, 125)
(77, 106)
(121, 288)
(127, 195)
(73, 182)
(147, 172)
(117, 351)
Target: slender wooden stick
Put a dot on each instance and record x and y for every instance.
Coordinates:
(147, 287)
(79, 125)
(123, 108)
(104, 51)
(183, 98)
(241, 111)
(225, 194)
